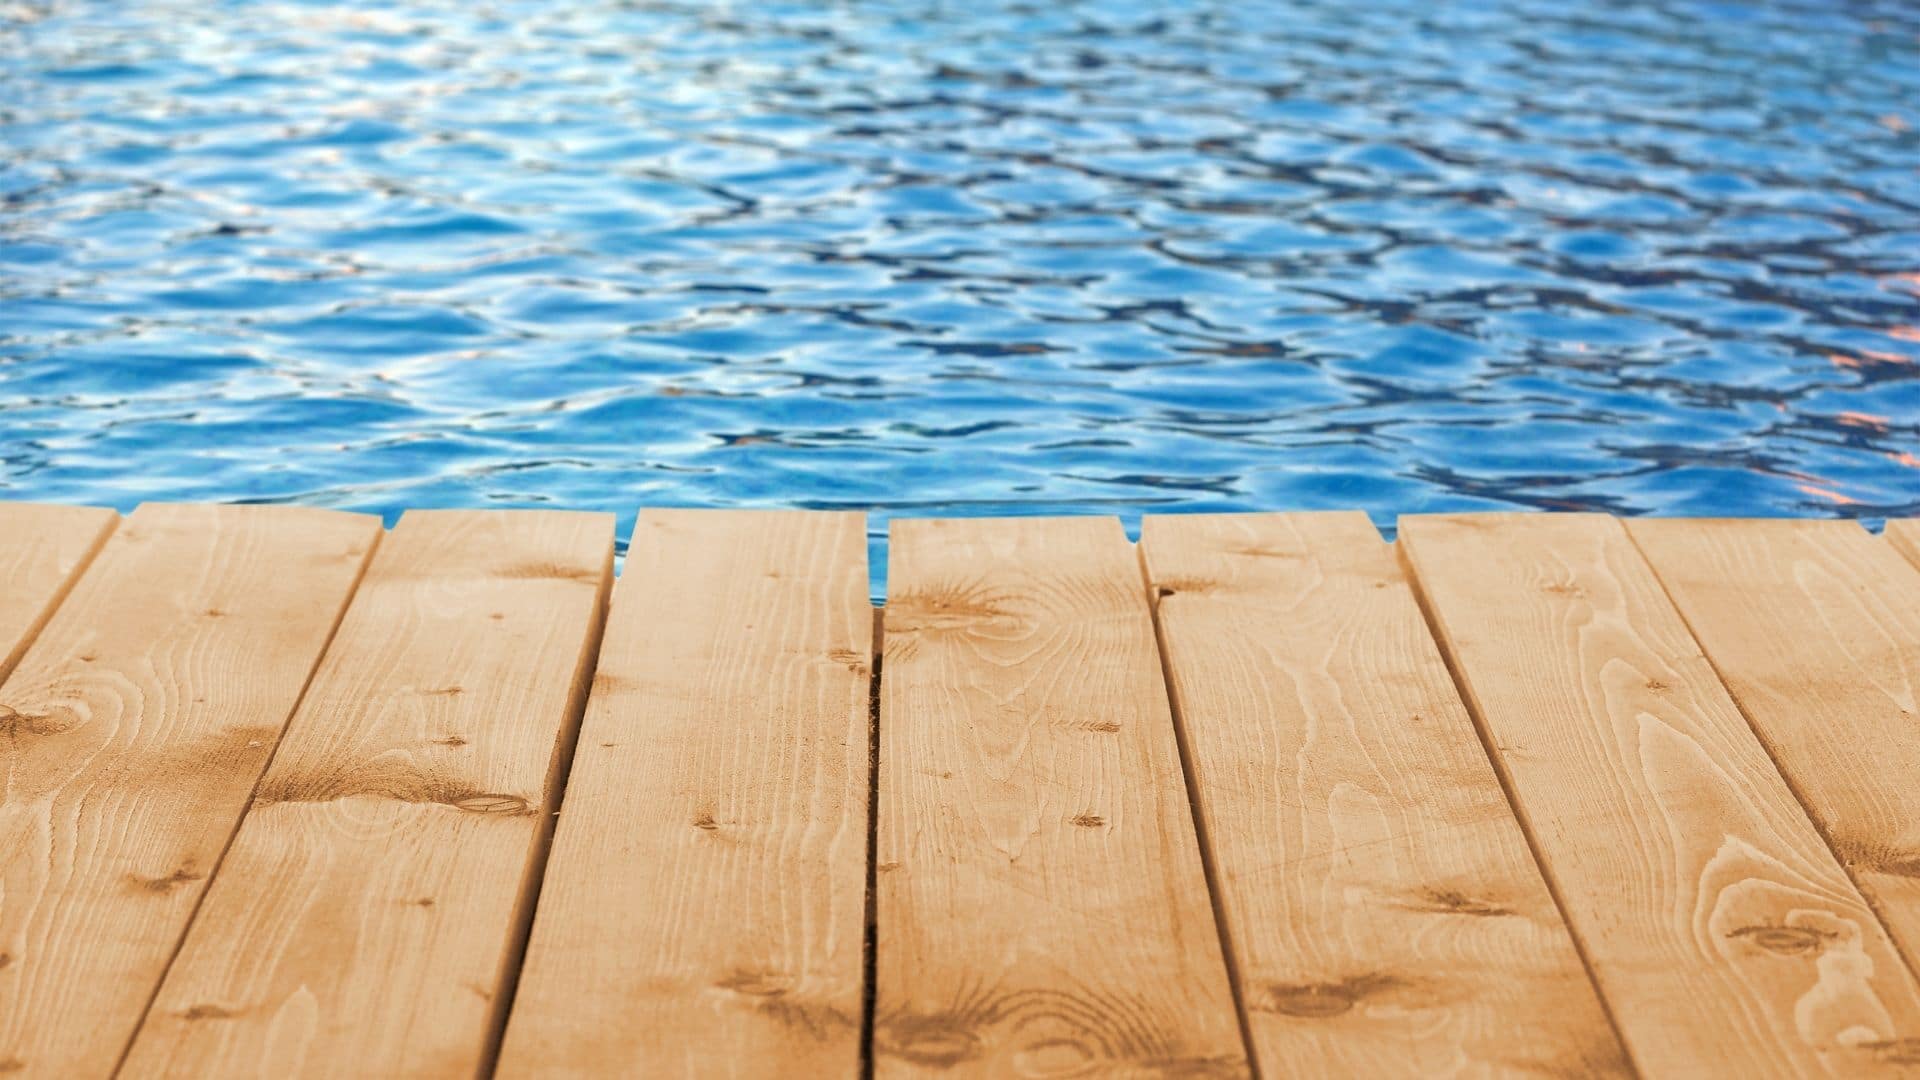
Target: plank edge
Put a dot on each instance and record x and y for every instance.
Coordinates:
(377, 534)
(1867, 895)
(1203, 838)
(559, 767)
(106, 522)
(1476, 711)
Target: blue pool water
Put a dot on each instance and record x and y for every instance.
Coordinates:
(936, 257)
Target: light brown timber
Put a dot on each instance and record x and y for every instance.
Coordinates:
(43, 549)
(1042, 906)
(1385, 914)
(1724, 936)
(703, 910)
(368, 917)
(137, 724)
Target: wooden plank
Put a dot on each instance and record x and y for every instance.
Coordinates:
(1384, 914)
(1041, 903)
(368, 918)
(43, 549)
(1724, 935)
(704, 908)
(1815, 628)
(140, 720)
(1905, 538)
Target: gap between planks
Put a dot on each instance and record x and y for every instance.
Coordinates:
(371, 912)
(1906, 539)
(213, 871)
(1505, 777)
(1364, 854)
(1236, 985)
(871, 929)
(1625, 747)
(179, 653)
(1813, 700)
(720, 788)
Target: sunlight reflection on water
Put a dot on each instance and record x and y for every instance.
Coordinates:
(985, 258)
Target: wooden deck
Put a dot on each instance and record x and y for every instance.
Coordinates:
(289, 795)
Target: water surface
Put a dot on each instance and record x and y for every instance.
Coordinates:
(931, 257)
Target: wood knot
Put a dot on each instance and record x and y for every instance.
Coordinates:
(1878, 856)
(422, 902)
(886, 868)
(1088, 821)
(14, 723)
(607, 683)
(451, 740)
(492, 803)
(209, 1011)
(1322, 1000)
(1658, 686)
(538, 570)
(936, 610)
(1894, 1051)
(6, 960)
(1197, 1066)
(705, 821)
(168, 883)
(1455, 902)
(1785, 940)
(12, 1065)
(1175, 586)
(1106, 727)
(852, 659)
(1266, 551)
(444, 691)
(935, 1042)
(1564, 588)
(756, 983)
(1901, 866)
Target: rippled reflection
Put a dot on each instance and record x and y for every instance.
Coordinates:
(982, 257)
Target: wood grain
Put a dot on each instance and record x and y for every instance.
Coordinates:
(1905, 538)
(703, 911)
(1384, 913)
(369, 915)
(1724, 935)
(1042, 907)
(138, 723)
(43, 549)
(1814, 626)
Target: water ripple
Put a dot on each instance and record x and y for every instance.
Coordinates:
(1001, 257)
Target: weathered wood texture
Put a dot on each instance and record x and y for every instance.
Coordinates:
(139, 721)
(42, 551)
(1815, 628)
(703, 912)
(368, 917)
(1723, 933)
(1385, 915)
(1905, 538)
(1041, 901)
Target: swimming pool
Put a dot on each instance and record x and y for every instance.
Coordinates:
(957, 258)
